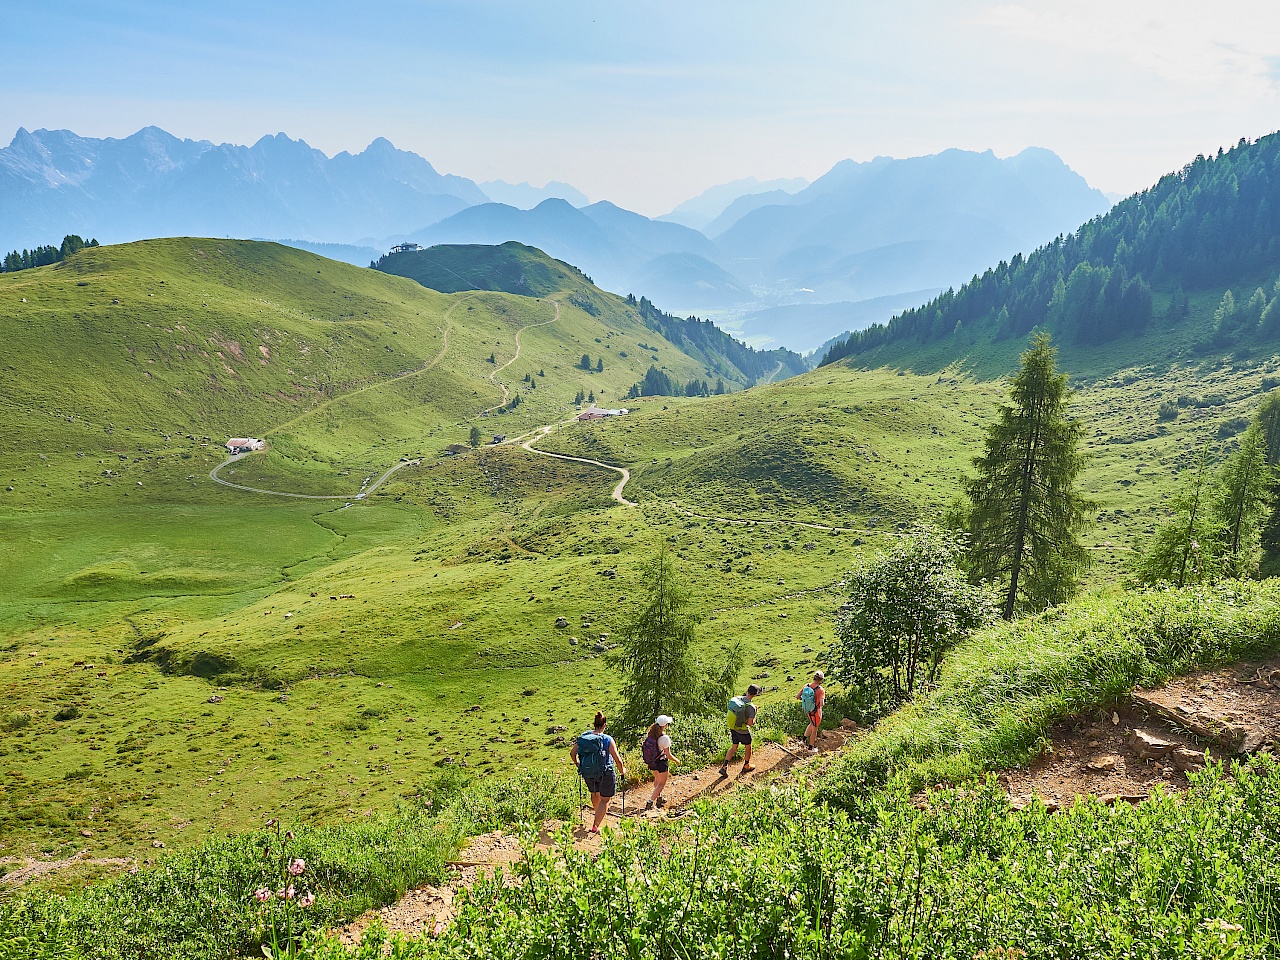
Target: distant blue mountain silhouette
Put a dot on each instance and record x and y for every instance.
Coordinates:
(153, 184)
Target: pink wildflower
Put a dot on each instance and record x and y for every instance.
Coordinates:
(306, 900)
(296, 867)
(262, 894)
(289, 892)
(438, 928)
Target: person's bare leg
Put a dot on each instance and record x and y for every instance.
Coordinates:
(659, 782)
(728, 757)
(602, 807)
(746, 758)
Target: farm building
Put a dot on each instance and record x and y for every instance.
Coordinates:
(245, 444)
(405, 248)
(499, 438)
(595, 413)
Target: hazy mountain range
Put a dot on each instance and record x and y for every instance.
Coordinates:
(863, 239)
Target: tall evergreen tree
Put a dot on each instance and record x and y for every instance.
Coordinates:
(660, 672)
(1022, 511)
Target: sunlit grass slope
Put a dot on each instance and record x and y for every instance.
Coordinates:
(178, 657)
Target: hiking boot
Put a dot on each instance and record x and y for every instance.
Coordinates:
(648, 805)
(724, 771)
(813, 751)
(748, 769)
(662, 802)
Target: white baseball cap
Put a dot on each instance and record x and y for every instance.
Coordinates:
(663, 720)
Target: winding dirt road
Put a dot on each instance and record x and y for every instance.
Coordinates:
(506, 392)
(364, 491)
(543, 432)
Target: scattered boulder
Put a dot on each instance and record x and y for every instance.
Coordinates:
(561, 623)
(1187, 760)
(216, 699)
(1148, 746)
(1108, 763)
(557, 729)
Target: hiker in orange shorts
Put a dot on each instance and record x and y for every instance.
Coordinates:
(812, 696)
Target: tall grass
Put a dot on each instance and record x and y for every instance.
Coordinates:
(201, 905)
(1000, 691)
(784, 875)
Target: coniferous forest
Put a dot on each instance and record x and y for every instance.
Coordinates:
(1207, 225)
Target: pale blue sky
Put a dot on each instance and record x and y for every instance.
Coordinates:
(648, 103)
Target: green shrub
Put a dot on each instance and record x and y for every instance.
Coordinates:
(17, 720)
(781, 875)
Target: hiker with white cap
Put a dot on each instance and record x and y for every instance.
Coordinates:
(812, 696)
(657, 756)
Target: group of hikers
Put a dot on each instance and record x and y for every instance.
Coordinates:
(596, 756)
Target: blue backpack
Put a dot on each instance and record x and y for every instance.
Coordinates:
(593, 754)
(809, 698)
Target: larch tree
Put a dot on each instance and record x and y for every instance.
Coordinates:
(656, 659)
(1022, 511)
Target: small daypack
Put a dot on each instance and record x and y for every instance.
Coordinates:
(809, 697)
(734, 719)
(593, 755)
(650, 753)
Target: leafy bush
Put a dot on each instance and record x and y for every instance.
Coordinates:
(907, 607)
(1168, 411)
(17, 720)
(780, 875)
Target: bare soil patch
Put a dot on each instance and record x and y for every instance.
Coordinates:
(1156, 738)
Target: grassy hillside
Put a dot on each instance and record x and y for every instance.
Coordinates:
(511, 267)
(180, 658)
(516, 268)
(137, 588)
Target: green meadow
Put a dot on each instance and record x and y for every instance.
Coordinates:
(180, 659)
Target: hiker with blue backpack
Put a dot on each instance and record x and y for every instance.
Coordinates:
(811, 697)
(740, 718)
(595, 755)
(657, 756)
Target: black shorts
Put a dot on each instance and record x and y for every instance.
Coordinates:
(605, 784)
(741, 736)
(661, 765)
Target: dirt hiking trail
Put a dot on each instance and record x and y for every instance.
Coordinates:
(1156, 738)
(421, 909)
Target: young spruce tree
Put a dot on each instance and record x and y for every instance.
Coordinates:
(655, 656)
(1022, 511)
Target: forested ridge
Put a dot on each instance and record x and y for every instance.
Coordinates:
(1213, 223)
(703, 339)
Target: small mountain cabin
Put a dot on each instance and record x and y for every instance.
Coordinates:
(595, 413)
(245, 444)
